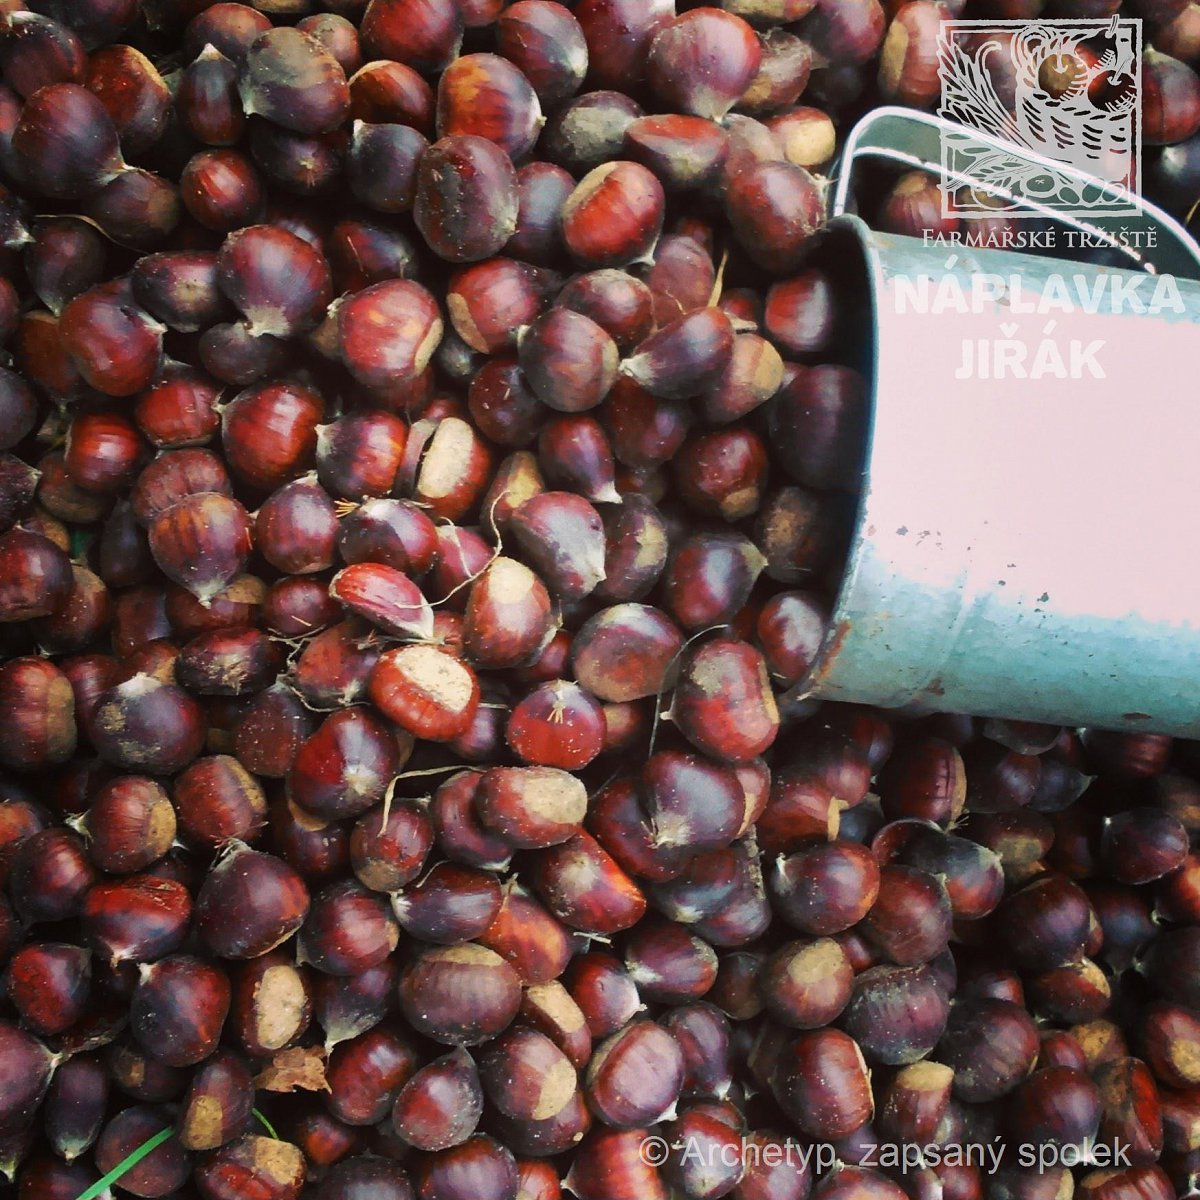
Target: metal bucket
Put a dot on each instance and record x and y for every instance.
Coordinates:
(1025, 547)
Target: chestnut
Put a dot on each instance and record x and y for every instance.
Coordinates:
(366, 1072)
(480, 1167)
(137, 207)
(441, 1104)
(614, 215)
(218, 1103)
(1143, 844)
(484, 95)
(910, 921)
(610, 1165)
(575, 454)
(702, 62)
(1046, 923)
(563, 536)
(345, 1006)
(502, 406)
(1057, 1106)
(249, 903)
(138, 918)
(805, 985)
(75, 1105)
(847, 1182)
(66, 142)
(821, 1081)
(568, 360)
(459, 995)
(381, 164)
(49, 985)
(526, 1076)
(426, 37)
(558, 724)
(41, 730)
(388, 848)
(35, 576)
(28, 1068)
(217, 800)
(723, 703)
(691, 802)
(708, 1159)
(1076, 992)
(774, 208)
(489, 305)
(425, 691)
(822, 890)
(635, 1076)
(50, 876)
(617, 301)
(669, 964)
(625, 652)
(201, 542)
(972, 874)
(290, 78)
(449, 905)
(348, 929)
(896, 1014)
(466, 201)
(387, 92)
(685, 357)
(1169, 965)
(179, 1008)
(1131, 1114)
(275, 279)
(413, 325)
(584, 887)
(221, 190)
(161, 1172)
(113, 343)
(991, 1045)
(359, 455)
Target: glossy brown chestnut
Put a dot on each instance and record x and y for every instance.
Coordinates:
(825, 889)
(614, 215)
(137, 919)
(467, 201)
(218, 800)
(584, 887)
(896, 1014)
(484, 95)
(821, 1081)
(66, 142)
(441, 1104)
(366, 1072)
(49, 985)
(162, 1171)
(75, 1105)
(348, 930)
(459, 995)
(635, 1076)
(991, 1045)
(702, 62)
(115, 345)
(249, 903)
(292, 80)
(178, 1009)
(218, 1103)
(426, 36)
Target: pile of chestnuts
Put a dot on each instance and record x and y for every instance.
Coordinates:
(426, 461)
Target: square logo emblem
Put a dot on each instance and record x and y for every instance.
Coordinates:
(1066, 91)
